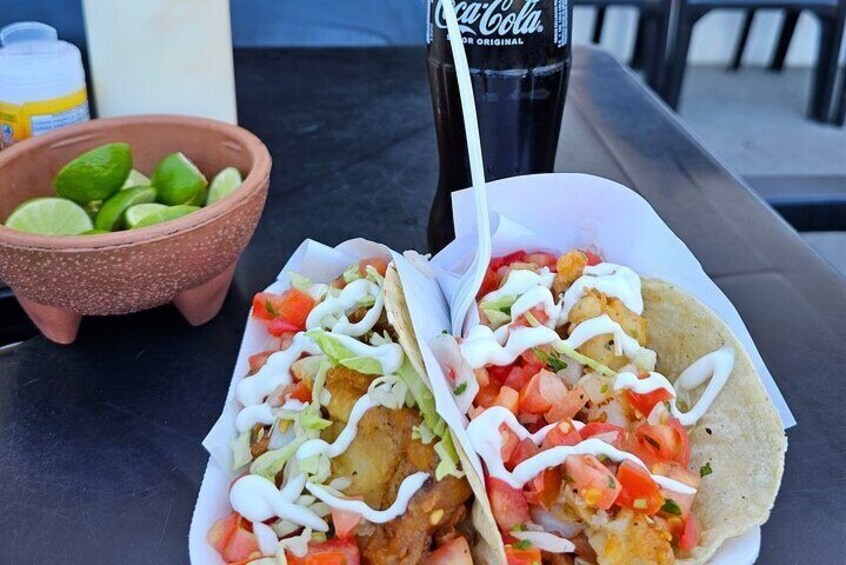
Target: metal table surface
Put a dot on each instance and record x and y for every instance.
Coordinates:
(100, 455)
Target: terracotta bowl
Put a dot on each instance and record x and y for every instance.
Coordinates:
(189, 261)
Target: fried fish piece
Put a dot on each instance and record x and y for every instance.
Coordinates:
(631, 539)
(382, 455)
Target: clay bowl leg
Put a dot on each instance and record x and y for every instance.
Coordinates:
(57, 324)
(202, 303)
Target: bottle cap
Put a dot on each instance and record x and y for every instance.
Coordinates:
(20, 32)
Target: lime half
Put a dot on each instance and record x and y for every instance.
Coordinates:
(110, 217)
(223, 183)
(179, 181)
(50, 216)
(94, 232)
(135, 178)
(138, 212)
(95, 175)
(169, 213)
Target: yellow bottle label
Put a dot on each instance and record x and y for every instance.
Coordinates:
(22, 121)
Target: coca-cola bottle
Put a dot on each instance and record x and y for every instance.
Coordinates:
(519, 56)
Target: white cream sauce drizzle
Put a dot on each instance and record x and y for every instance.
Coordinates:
(277, 371)
(389, 355)
(716, 366)
(486, 440)
(344, 439)
(410, 485)
(603, 325)
(257, 499)
(337, 306)
(610, 279)
(521, 280)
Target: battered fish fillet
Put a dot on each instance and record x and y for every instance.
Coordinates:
(630, 539)
(381, 456)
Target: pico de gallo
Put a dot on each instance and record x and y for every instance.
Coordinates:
(585, 448)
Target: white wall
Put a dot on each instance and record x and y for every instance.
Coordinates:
(714, 37)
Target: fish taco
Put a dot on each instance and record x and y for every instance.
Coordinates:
(617, 419)
(340, 455)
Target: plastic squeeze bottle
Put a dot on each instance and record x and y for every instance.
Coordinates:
(42, 82)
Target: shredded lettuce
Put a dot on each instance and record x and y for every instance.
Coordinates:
(496, 318)
(341, 355)
(449, 459)
(298, 281)
(241, 454)
(562, 347)
(374, 276)
(352, 273)
(317, 466)
(502, 304)
(306, 369)
(423, 433)
(380, 339)
(270, 463)
(366, 302)
(389, 391)
(423, 397)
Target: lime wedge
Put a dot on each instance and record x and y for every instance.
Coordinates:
(223, 183)
(110, 217)
(50, 216)
(169, 213)
(138, 212)
(179, 181)
(135, 178)
(94, 232)
(95, 175)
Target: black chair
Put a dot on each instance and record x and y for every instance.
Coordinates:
(840, 114)
(830, 14)
(650, 52)
(785, 36)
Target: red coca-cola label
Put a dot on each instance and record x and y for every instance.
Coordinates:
(504, 22)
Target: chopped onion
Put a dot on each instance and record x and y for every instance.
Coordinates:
(266, 538)
(552, 523)
(572, 373)
(659, 412)
(456, 369)
(546, 541)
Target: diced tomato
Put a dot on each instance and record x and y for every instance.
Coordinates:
(600, 428)
(345, 522)
(498, 374)
(568, 405)
(592, 258)
(258, 360)
(545, 488)
(381, 266)
(233, 538)
(298, 391)
(639, 492)
(506, 260)
(529, 556)
(222, 530)
(531, 398)
(595, 482)
(509, 504)
(510, 441)
(242, 545)
(519, 375)
(263, 304)
(541, 259)
(537, 312)
(292, 306)
(487, 395)
(280, 326)
(482, 376)
(507, 398)
(644, 403)
(684, 455)
(336, 551)
(564, 433)
(525, 449)
(489, 284)
(455, 552)
(691, 534)
(664, 442)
